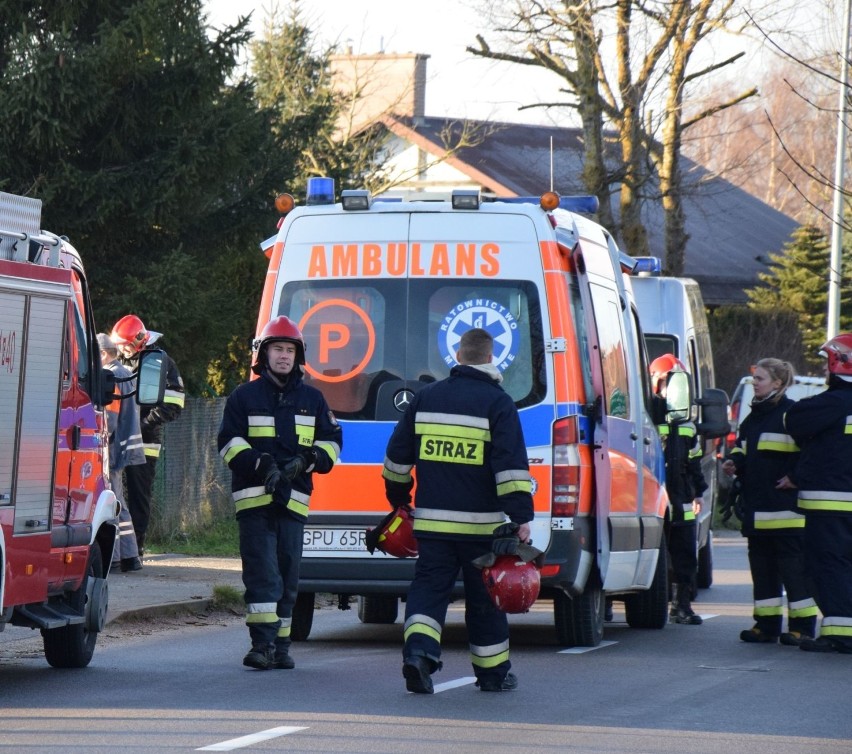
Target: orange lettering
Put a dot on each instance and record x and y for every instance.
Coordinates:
(397, 253)
(344, 260)
(416, 266)
(317, 267)
(465, 257)
(328, 342)
(440, 260)
(372, 259)
(490, 264)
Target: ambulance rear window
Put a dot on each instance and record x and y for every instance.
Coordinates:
(367, 340)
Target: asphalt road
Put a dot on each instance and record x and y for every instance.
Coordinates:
(681, 689)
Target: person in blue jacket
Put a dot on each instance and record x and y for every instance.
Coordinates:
(763, 459)
(463, 434)
(822, 427)
(275, 432)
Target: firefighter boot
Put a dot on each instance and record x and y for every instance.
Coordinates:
(282, 659)
(681, 610)
(260, 656)
(417, 673)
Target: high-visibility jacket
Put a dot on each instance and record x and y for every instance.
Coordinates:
(262, 417)
(125, 435)
(464, 436)
(684, 478)
(764, 453)
(821, 425)
(152, 418)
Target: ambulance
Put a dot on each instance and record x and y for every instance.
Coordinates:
(57, 512)
(382, 289)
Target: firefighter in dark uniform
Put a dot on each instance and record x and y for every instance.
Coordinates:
(275, 432)
(685, 484)
(131, 337)
(763, 459)
(822, 427)
(464, 436)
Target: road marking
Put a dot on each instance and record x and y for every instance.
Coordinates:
(708, 616)
(466, 681)
(243, 741)
(583, 650)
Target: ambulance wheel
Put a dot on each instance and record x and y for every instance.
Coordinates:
(580, 620)
(377, 608)
(705, 564)
(650, 609)
(73, 646)
(303, 616)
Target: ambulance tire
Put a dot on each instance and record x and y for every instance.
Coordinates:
(303, 616)
(705, 564)
(73, 646)
(580, 620)
(377, 608)
(650, 608)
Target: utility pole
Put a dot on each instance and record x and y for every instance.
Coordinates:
(836, 261)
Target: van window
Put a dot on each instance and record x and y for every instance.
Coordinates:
(612, 352)
(658, 345)
(361, 334)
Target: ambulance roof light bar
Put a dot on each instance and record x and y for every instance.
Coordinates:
(356, 199)
(648, 266)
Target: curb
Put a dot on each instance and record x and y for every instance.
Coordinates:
(159, 611)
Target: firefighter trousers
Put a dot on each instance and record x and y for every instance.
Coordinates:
(140, 488)
(125, 546)
(682, 540)
(777, 565)
(271, 552)
(828, 562)
(438, 564)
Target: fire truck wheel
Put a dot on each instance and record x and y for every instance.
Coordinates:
(377, 608)
(705, 564)
(580, 620)
(303, 616)
(73, 646)
(650, 609)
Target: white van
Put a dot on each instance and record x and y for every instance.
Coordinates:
(673, 318)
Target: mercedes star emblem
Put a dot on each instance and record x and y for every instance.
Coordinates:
(402, 399)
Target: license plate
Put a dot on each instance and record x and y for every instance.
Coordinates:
(334, 540)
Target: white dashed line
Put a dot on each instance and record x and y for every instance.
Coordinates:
(583, 650)
(243, 741)
(466, 681)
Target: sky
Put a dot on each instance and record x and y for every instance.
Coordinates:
(458, 85)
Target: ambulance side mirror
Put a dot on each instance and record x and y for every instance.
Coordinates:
(714, 413)
(150, 378)
(678, 396)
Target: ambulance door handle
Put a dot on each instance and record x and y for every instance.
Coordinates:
(74, 437)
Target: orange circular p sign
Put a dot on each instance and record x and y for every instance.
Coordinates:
(339, 338)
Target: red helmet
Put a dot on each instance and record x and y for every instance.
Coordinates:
(130, 332)
(394, 535)
(838, 351)
(660, 368)
(512, 584)
(278, 329)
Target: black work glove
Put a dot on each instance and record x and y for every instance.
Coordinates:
(268, 471)
(506, 540)
(293, 467)
(309, 455)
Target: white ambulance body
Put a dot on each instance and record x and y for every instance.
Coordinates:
(382, 292)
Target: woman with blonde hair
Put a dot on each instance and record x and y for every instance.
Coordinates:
(763, 458)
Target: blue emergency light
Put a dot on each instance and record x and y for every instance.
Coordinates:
(648, 266)
(320, 191)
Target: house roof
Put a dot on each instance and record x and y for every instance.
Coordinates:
(731, 232)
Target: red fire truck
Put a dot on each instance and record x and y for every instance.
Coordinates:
(57, 511)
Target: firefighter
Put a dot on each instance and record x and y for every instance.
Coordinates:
(763, 458)
(125, 449)
(276, 431)
(685, 484)
(131, 337)
(464, 436)
(822, 427)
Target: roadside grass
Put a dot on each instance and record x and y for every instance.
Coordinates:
(218, 539)
(226, 597)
